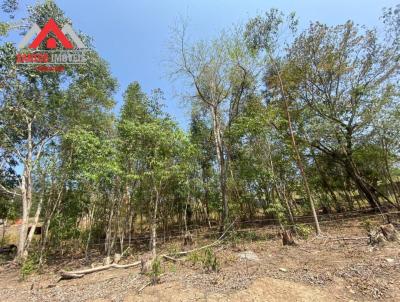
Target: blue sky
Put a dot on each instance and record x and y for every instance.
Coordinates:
(132, 35)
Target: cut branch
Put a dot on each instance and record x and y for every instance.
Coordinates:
(80, 273)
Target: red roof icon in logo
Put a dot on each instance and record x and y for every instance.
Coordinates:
(51, 26)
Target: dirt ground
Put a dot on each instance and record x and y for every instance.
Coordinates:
(323, 269)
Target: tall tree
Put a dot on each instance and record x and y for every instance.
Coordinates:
(264, 34)
(221, 73)
(345, 76)
(36, 107)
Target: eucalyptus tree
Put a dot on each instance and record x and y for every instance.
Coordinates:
(36, 108)
(222, 73)
(9, 8)
(264, 34)
(138, 110)
(201, 137)
(154, 156)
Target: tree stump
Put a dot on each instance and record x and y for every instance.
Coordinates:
(390, 233)
(376, 237)
(382, 234)
(188, 239)
(145, 263)
(117, 258)
(107, 260)
(287, 238)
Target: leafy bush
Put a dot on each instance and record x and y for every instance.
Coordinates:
(303, 230)
(194, 257)
(30, 265)
(245, 235)
(368, 224)
(155, 271)
(209, 261)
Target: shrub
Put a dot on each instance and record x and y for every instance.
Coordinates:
(303, 230)
(155, 271)
(209, 261)
(30, 265)
(368, 224)
(246, 236)
(194, 257)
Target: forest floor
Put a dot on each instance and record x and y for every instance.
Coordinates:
(317, 269)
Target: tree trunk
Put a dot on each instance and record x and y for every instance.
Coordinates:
(3, 234)
(324, 179)
(26, 192)
(362, 185)
(296, 150)
(394, 187)
(287, 238)
(221, 163)
(33, 227)
(107, 246)
(154, 226)
(91, 215)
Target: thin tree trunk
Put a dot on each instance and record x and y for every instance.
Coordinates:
(46, 225)
(389, 176)
(296, 150)
(154, 226)
(3, 232)
(35, 222)
(91, 215)
(221, 163)
(206, 196)
(324, 179)
(26, 192)
(108, 244)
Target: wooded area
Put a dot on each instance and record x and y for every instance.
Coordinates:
(284, 124)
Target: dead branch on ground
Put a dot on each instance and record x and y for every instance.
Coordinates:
(80, 273)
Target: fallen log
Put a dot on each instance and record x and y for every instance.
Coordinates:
(166, 257)
(70, 275)
(80, 273)
(348, 238)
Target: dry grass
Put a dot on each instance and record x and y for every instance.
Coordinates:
(316, 270)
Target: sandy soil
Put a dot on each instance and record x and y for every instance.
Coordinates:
(315, 270)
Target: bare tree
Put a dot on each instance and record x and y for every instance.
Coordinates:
(220, 71)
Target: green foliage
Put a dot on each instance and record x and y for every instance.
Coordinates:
(209, 261)
(97, 172)
(4, 27)
(8, 210)
(245, 235)
(172, 268)
(278, 211)
(155, 271)
(303, 230)
(368, 224)
(30, 265)
(94, 156)
(194, 257)
(206, 258)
